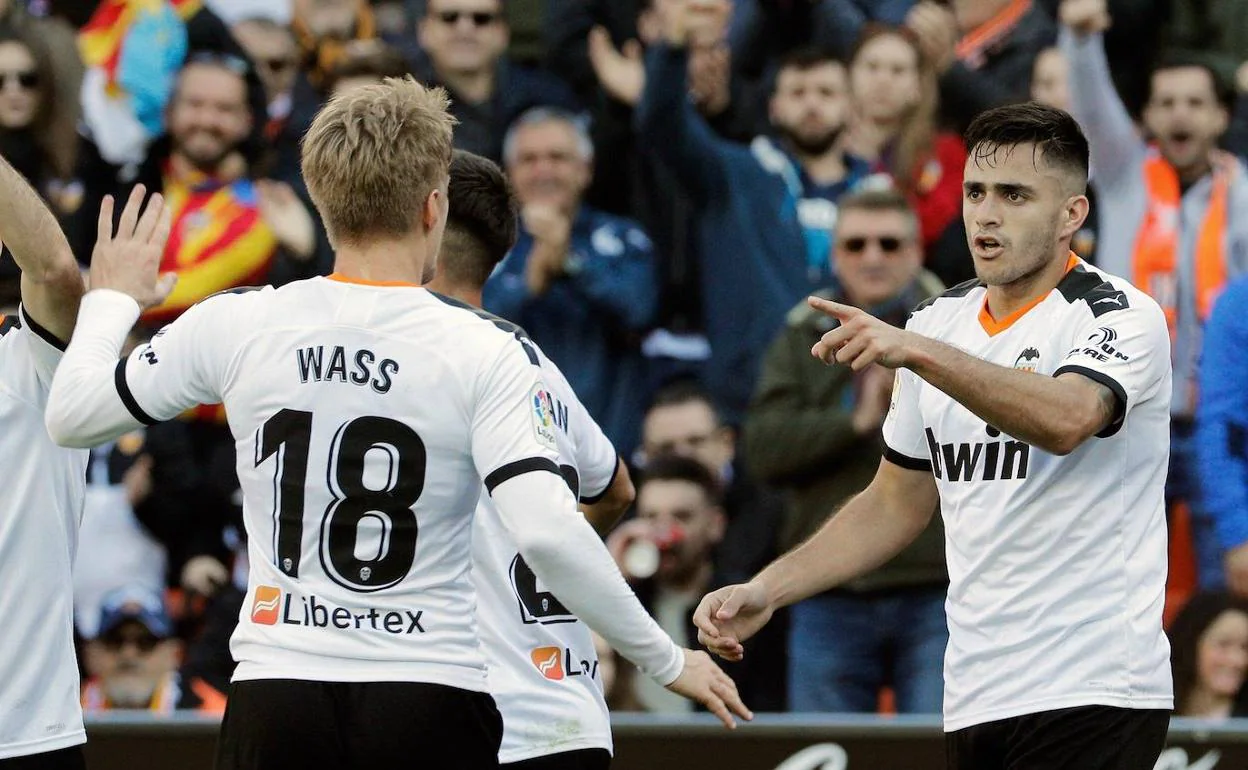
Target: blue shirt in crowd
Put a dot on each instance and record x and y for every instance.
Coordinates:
(1222, 416)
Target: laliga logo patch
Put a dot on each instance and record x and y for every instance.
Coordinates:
(543, 411)
(1028, 360)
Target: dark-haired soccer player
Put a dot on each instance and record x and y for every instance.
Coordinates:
(1033, 404)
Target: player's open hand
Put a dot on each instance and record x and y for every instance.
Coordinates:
(703, 681)
(128, 260)
(860, 339)
(728, 617)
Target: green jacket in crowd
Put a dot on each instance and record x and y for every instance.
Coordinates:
(799, 439)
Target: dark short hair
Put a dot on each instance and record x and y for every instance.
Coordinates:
(1223, 91)
(879, 199)
(1054, 133)
(807, 57)
(481, 226)
(680, 392)
(670, 467)
(373, 59)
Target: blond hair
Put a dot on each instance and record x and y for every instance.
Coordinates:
(374, 154)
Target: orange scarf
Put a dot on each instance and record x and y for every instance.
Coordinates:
(1155, 263)
(974, 47)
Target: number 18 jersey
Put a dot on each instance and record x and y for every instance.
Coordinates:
(366, 419)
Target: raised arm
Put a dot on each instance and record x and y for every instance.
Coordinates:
(1094, 101)
(869, 530)
(51, 280)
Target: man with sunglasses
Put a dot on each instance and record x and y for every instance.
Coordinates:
(893, 618)
(464, 50)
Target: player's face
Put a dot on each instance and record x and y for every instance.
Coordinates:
(884, 77)
(463, 35)
(547, 166)
(1049, 79)
(208, 117)
(877, 255)
(809, 107)
(130, 663)
(685, 523)
(1223, 654)
(19, 89)
(1184, 116)
(1016, 208)
(690, 430)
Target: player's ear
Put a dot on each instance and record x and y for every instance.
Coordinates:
(1074, 214)
(432, 210)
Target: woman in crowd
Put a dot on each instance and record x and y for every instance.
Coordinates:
(1209, 656)
(894, 127)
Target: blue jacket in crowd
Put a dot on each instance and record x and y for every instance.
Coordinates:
(764, 228)
(590, 321)
(1222, 416)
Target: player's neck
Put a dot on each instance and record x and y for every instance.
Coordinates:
(466, 294)
(1006, 299)
(391, 260)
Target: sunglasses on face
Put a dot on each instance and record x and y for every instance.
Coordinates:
(479, 18)
(27, 79)
(888, 244)
(145, 641)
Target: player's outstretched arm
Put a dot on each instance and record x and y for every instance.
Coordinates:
(568, 557)
(88, 403)
(51, 279)
(869, 530)
(1060, 412)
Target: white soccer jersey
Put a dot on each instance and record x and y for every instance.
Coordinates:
(366, 418)
(1057, 565)
(39, 515)
(543, 670)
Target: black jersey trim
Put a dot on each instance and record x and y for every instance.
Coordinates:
(1120, 412)
(961, 290)
(512, 328)
(905, 461)
(518, 468)
(127, 397)
(42, 332)
(1101, 295)
(615, 471)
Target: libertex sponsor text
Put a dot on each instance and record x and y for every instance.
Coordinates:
(272, 606)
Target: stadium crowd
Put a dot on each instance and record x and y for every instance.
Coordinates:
(687, 172)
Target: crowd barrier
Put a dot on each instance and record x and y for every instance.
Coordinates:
(649, 742)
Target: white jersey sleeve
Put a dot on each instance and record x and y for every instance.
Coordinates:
(39, 351)
(596, 459)
(905, 444)
(513, 421)
(1126, 350)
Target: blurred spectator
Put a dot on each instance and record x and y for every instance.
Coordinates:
(229, 229)
(682, 422)
(983, 50)
(567, 27)
(324, 27)
(1209, 657)
(272, 48)
(133, 662)
(894, 127)
(678, 510)
(365, 62)
(580, 281)
(232, 12)
(1222, 429)
(133, 52)
(142, 491)
(36, 131)
(464, 44)
(765, 212)
(815, 432)
(1171, 219)
(1050, 85)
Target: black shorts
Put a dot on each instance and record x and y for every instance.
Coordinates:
(1083, 738)
(584, 759)
(61, 759)
(280, 724)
